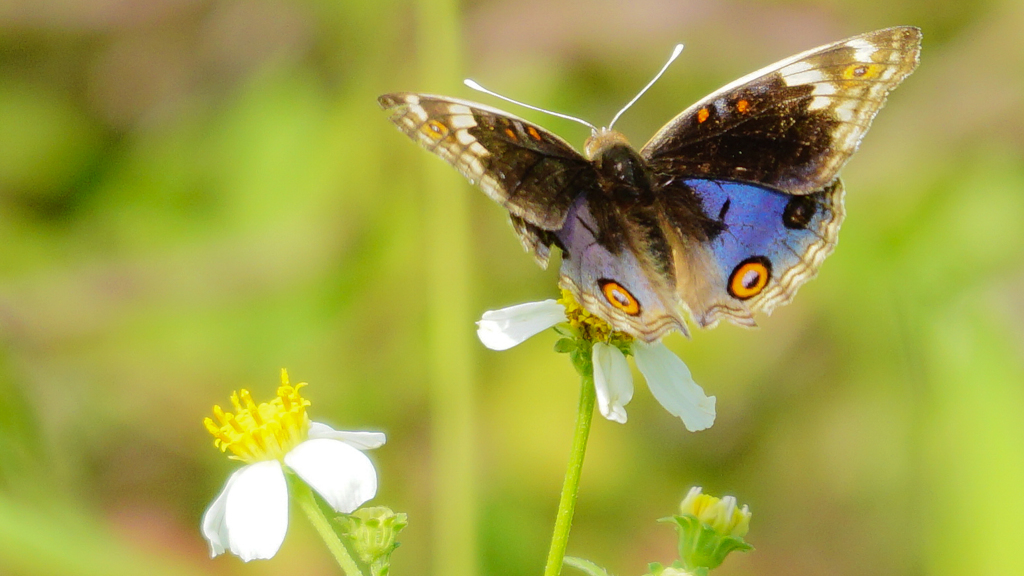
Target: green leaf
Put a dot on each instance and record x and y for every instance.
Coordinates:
(585, 566)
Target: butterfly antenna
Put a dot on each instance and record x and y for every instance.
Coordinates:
(671, 59)
(480, 88)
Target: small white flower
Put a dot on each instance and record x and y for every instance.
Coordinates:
(667, 376)
(250, 516)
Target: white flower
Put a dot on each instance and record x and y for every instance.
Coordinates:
(250, 516)
(667, 376)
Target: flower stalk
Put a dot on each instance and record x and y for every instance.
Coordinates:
(307, 502)
(598, 352)
(571, 485)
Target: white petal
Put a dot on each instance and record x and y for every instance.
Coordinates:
(613, 381)
(360, 440)
(214, 529)
(670, 381)
(250, 516)
(503, 329)
(341, 474)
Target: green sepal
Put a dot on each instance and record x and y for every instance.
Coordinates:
(626, 347)
(567, 331)
(700, 546)
(582, 359)
(371, 533)
(566, 345)
(654, 569)
(585, 566)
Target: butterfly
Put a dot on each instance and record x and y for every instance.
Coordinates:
(727, 210)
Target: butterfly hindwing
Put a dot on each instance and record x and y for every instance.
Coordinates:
(794, 124)
(528, 170)
(619, 277)
(767, 244)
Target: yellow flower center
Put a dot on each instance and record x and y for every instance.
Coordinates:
(591, 327)
(721, 514)
(267, 431)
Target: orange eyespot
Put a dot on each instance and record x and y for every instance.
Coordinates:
(533, 133)
(511, 134)
(619, 297)
(434, 130)
(750, 277)
(742, 106)
(702, 115)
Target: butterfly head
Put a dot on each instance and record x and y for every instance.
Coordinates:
(614, 157)
(601, 140)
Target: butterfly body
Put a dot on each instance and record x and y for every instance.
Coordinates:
(728, 209)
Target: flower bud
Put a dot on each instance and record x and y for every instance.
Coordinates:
(709, 529)
(372, 532)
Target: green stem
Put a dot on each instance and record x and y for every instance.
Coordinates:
(571, 486)
(306, 500)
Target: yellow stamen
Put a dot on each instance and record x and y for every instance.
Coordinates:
(591, 327)
(257, 432)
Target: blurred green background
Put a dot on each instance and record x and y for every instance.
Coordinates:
(196, 193)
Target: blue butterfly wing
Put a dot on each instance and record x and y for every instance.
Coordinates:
(761, 245)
